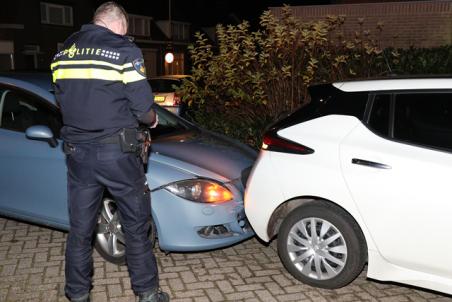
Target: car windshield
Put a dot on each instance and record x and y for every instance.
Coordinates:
(169, 123)
(163, 85)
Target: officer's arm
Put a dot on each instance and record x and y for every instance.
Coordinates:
(149, 118)
(137, 88)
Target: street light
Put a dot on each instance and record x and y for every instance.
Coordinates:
(169, 56)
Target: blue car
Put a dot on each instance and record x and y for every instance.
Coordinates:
(196, 177)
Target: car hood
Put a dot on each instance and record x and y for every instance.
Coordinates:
(207, 150)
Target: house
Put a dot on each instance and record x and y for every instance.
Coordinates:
(32, 31)
(156, 38)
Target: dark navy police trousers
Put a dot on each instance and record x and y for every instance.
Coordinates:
(92, 168)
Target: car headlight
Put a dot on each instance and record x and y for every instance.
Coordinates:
(200, 190)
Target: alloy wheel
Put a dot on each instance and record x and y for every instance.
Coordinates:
(110, 236)
(317, 248)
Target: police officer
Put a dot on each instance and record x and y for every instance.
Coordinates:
(101, 88)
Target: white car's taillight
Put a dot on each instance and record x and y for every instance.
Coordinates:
(273, 142)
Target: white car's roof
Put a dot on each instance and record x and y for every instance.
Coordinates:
(395, 84)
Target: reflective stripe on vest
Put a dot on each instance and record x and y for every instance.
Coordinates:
(63, 70)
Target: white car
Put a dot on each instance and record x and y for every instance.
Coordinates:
(362, 174)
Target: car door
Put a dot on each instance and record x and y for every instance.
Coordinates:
(398, 171)
(32, 174)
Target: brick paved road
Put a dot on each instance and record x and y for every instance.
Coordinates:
(32, 269)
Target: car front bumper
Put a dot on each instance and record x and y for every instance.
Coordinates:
(184, 225)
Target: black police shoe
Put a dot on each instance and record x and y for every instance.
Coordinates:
(84, 298)
(153, 296)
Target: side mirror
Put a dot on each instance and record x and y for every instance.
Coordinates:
(41, 133)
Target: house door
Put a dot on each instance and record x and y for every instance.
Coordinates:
(150, 61)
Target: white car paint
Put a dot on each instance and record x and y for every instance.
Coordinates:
(395, 84)
(407, 206)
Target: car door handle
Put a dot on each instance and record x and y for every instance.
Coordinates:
(371, 164)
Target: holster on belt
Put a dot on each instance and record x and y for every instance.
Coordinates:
(144, 137)
(135, 141)
(128, 140)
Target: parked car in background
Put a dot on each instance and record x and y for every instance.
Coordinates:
(361, 174)
(196, 177)
(164, 89)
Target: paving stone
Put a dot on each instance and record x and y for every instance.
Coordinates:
(114, 290)
(201, 299)
(182, 300)
(32, 269)
(190, 293)
(292, 297)
(188, 277)
(99, 297)
(225, 286)
(215, 294)
(176, 284)
(202, 285)
(240, 295)
(249, 287)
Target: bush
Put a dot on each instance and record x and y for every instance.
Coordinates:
(250, 78)
(415, 61)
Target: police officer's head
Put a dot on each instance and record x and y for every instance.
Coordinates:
(112, 16)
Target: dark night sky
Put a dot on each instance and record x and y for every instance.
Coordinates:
(208, 12)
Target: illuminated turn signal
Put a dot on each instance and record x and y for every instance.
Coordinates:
(216, 193)
(200, 190)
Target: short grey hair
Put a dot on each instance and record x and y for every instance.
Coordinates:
(110, 11)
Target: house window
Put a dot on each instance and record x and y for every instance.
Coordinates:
(180, 31)
(56, 14)
(139, 26)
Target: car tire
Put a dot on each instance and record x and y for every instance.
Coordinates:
(330, 255)
(109, 238)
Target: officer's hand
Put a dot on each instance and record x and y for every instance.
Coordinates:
(156, 122)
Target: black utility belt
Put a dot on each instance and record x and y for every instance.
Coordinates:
(129, 140)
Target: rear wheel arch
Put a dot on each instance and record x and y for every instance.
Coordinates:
(282, 211)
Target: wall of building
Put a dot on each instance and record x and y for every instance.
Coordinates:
(405, 24)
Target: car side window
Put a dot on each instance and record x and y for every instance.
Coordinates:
(20, 111)
(350, 103)
(379, 114)
(424, 119)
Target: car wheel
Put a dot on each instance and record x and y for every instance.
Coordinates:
(321, 245)
(109, 240)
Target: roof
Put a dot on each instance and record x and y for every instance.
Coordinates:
(395, 84)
